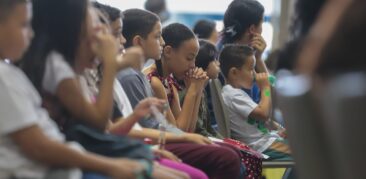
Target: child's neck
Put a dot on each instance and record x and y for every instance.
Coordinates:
(234, 83)
(164, 68)
(244, 40)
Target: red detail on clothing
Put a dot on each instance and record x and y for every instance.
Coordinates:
(250, 158)
(168, 83)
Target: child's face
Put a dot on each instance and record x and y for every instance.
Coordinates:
(154, 43)
(16, 32)
(259, 28)
(90, 28)
(213, 69)
(116, 28)
(246, 72)
(183, 58)
(214, 37)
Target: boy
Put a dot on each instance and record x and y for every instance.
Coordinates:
(25, 127)
(247, 117)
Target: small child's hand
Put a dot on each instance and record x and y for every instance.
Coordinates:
(166, 154)
(104, 46)
(124, 168)
(262, 80)
(258, 44)
(283, 133)
(133, 57)
(143, 109)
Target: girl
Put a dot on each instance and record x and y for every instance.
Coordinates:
(178, 62)
(64, 47)
(206, 59)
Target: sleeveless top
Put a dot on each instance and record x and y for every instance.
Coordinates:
(168, 82)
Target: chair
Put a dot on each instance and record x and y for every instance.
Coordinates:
(219, 108)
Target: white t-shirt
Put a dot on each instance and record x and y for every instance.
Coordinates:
(20, 107)
(56, 70)
(240, 105)
(123, 102)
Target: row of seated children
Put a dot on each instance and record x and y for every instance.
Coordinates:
(62, 48)
(181, 53)
(56, 66)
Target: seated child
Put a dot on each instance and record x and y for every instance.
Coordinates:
(248, 118)
(206, 59)
(31, 143)
(55, 60)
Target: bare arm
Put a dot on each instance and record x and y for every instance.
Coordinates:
(195, 112)
(70, 94)
(123, 126)
(170, 137)
(185, 119)
(262, 111)
(35, 149)
(159, 92)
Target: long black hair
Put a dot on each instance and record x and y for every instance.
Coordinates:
(305, 14)
(239, 16)
(207, 54)
(57, 26)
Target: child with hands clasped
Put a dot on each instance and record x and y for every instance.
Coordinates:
(247, 117)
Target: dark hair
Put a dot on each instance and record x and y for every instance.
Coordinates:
(155, 6)
(6, 6)
(206, 54)
(204, 28)
(111, 12)
(138, 22)
(175, 34)
(306, 13)
(234, 55)
(345, 51)
(239, 16)
(57, 26)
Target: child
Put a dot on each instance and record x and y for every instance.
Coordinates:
(206, 29)
(206, 59)
(247, 117)
(66, 49)
(178, 60)
(25, 127)
(143, 29)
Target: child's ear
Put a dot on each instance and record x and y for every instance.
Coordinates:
(253, 29)
(233, 71)
(137, 41)
(167, 51)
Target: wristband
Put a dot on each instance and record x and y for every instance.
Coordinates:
(267, 92)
